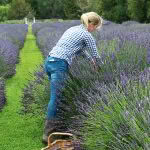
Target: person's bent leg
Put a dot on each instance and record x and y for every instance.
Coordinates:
(57, 84)
(52, 122)
(58, 76)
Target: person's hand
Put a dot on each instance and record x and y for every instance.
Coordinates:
(94, 65)
(96, 68)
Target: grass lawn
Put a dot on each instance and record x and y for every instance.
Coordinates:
(21, 132)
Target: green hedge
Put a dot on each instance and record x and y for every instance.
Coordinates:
(4, 13)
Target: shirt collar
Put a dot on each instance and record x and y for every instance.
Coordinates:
(83, 27)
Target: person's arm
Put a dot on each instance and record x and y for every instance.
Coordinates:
(91, 45)
(86, 55)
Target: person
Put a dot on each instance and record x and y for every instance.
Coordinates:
(74, 41)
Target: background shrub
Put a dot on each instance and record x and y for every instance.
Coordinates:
(19, 9)
(4, 13)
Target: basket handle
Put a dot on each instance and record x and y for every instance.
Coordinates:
(59, 133)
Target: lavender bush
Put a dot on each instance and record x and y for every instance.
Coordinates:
(15, 33)
(11, 40)
(36, 95)
(128, 23)
(9, 54)
(122, 123)
(3, 67)
(36, 27)
(2, 93)
(47, 38)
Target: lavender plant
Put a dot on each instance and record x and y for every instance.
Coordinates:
(9, 53)
(13, 32)
(36, 27)
(2, 93)
(122, 123)
(3, 67)
(47, 38)
(129, 23)
(36, 95)
(11, 40)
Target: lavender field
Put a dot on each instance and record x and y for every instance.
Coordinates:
(107, 109)
(12, 38)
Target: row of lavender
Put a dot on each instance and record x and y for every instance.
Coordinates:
(111, 110)
(12, 38)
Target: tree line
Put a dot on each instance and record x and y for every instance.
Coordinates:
(113, 10)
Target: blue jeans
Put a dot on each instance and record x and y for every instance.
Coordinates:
(56, 70)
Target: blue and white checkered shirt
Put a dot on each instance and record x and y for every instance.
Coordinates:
(75, 40)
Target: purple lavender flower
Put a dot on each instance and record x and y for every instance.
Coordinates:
(124, 79)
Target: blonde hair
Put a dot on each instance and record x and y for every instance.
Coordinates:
(91, 18)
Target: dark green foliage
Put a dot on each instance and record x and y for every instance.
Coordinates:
(71, 9)
(122, 10)
(33, 4)
(84, 5)
(19, 9)
(137, 10)
(50, 9)
(4, 13)
(120, 13)
(148, 10)
(4, 2)
(113, 10)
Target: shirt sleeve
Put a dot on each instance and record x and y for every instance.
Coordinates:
(85, 55)
(91, 45)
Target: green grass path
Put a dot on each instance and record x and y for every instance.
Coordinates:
(21, 132)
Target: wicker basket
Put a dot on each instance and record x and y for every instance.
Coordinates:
(70, 144)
